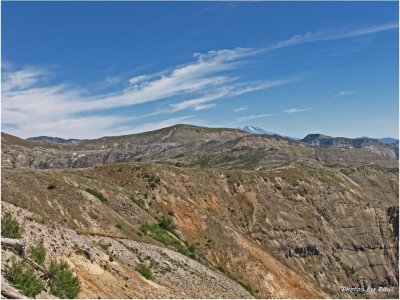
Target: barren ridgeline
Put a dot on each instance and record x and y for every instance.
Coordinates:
(193, 212)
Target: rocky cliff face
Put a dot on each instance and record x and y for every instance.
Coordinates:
(191, 146)
(301, 227)
(375, 146)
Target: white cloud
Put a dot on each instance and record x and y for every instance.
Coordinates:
(252, 117)
(242, 108)
(232, 90)
(346, 93)
(204, 106)
(30, 106)
(112, 80)
(309, 37)
(158, 125)
(296, 110)
(21, 79)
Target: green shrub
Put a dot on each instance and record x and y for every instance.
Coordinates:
(160, 234)
(104, 246)
(97, 194)
(166, 223)
(119, 226)
(222, 269)
(63, 283)
(138, 202)
(144, 228)
(51, 186)
(144, 270)
(10, 227)
(110, 258)
(38, 253)
(350, 271)
(152, 180)
(192, 248)
(24, 278)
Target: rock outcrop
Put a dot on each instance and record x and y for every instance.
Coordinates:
(214, 213)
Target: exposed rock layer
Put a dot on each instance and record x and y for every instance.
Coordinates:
(270, 218)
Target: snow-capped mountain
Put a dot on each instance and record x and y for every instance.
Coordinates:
(254, 130)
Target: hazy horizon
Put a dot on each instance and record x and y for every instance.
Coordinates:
(241, 128)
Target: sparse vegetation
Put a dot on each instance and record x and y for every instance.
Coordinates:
(38, 253)
(10, 228)
(337, 258)
(166, 223)
(160, 232)
(24, 278)
(119, 226)
(97, 194)
(63, 283)
(51, 186)
(222, 269)
(152, 180)
(138, 202)
(192, 248)
(104, 246)
(350, 271)
(144, 270)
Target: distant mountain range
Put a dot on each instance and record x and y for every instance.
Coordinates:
(288, 210)
(258, 130)
(254, 130)
(53, 139)
(388, 140)
(313, 139)
(194, 146)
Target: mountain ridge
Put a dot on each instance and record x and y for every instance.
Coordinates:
(212, 212)
(53, 139)
(190, 145)
(247, 128)
(255, 130)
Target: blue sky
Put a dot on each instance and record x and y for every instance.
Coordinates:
(86, 70)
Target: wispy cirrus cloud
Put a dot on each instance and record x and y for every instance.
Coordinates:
(346, 93)
(315, 36)
(22, 79)
(252, 117)
(241, 108)
(296, 110)
(112, 80)
(203, 81)
(204, 106)
(32, 106)
(232, 90)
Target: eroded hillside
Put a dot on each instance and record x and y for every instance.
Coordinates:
(191, 146)
(296, 231)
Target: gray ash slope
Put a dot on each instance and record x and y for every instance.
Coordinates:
(269, 217)
(189, 145)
